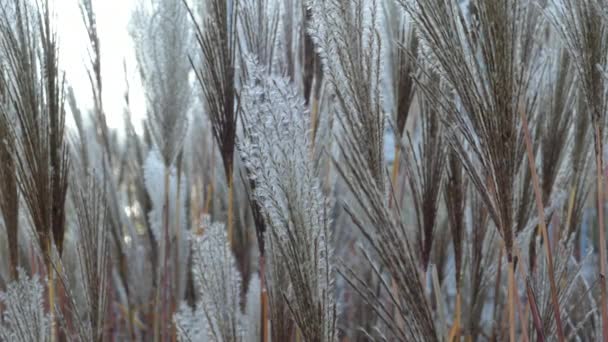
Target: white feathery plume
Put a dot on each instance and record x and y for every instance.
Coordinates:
(162, 35)
(347, 36)
(191, 324)
(24, 318)
(217, 316)
(258, 29)
(276, 150)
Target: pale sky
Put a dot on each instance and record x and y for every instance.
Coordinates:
(116, 47)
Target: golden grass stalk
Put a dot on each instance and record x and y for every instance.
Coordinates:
(455, 331)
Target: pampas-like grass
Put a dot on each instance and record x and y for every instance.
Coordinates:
(293, 205)
(493, 84)
(92, 216)
(215, 69)
(425, 165)
(492, 145)
(218, 283)
(35, 90)
(486, 61)
(259, 25)
(216, 37)
(36, 98)
(162, 34)
(403, 43)
(585, 35)
(351, 52)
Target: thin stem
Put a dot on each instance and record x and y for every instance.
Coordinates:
(178, 240)
(497, 290)
(511, 300)
(600, 215)
(522, 319)
(51, 285)
(230, 210)
(395, 171)
(543, 226)
(439, 299)
(264, 295)
(570, 207)
(313, 119)
(166, 290)
(161, 291)
(393, 201)
(455, 332)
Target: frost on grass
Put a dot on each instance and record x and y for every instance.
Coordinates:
(154, 170)
(253, 305)
(162, 35)
(277, 150)
(154, 180)
(347, 39)
(191, 324)
(217, 316)
(24, 318)
(258, 36)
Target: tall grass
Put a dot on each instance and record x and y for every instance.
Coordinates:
(411, 170)
(35, 91)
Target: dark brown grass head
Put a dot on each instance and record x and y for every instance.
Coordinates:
(217, 41)
(404, 50)
(425, 163)
(455, 195)
(351, 52)
(557, 106)
(585, 35)
(483, 60)
(35, 90)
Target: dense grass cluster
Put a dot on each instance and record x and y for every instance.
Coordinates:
(316, 170)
